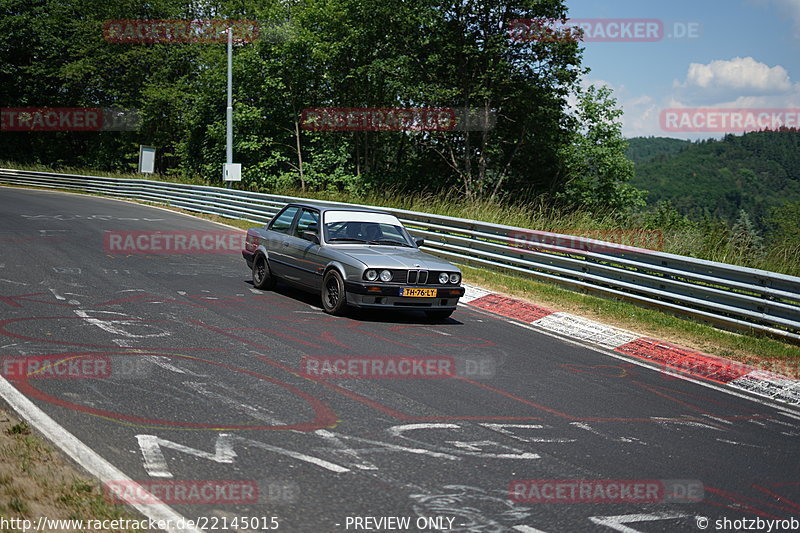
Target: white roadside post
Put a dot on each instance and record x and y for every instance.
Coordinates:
(230, 171)
(147, 159)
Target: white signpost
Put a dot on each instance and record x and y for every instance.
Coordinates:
(147, 159)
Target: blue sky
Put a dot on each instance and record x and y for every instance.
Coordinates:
(747, 55)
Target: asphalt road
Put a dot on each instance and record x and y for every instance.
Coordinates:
(188, 375)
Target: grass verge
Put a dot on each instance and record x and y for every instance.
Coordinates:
(36, 481)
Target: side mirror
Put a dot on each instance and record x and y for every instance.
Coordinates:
(419, 242)
(310, 236)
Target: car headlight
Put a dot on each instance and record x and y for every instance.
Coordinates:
(443, 277)
(455, 278)
(371, 275)
(386, 275)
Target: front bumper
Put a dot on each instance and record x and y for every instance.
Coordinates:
(388, 296)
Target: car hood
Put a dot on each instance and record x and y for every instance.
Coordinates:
(379, 256)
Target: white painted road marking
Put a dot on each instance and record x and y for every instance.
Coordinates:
(156, 464)
(616, 522)
(87, 458)
(115, 326)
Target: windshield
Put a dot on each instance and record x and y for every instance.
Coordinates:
(365, 228)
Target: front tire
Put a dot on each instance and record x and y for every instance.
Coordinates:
(262, 277)
(334, 299)
(439, 314)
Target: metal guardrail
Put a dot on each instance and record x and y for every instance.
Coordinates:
(727, 295)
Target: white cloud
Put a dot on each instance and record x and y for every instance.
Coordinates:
(741, 75)
(740, 83)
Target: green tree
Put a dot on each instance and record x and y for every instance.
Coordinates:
(745, 238)
(598, 169)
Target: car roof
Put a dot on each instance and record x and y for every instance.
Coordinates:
(322, 208)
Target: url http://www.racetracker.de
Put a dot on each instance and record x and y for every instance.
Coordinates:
(149, 524)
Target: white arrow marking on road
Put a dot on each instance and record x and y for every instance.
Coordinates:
(501, 428)
(590, 429)
(398, 431)
(662, 421)
(341, 448)
(616, 522)
(123, 343)
(296, 455)
(58, 296)
(166, 365)
(383, 446)
(738, 443)
(156, 464)
(108, 325)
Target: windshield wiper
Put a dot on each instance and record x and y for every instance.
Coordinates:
(390, 241)
(345, 239)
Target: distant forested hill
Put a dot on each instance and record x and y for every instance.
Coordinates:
(644, 148)
(753, 172)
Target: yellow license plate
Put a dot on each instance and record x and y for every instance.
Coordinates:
(419, 293)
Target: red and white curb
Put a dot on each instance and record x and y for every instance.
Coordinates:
(670, 357)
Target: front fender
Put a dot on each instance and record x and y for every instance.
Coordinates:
(338, 265)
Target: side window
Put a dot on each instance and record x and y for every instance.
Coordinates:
(284, 220)
(309, 220)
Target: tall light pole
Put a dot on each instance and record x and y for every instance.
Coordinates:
(229, 109)
(230, 171)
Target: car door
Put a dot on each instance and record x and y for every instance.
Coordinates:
(305, 259)
(278, 242)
